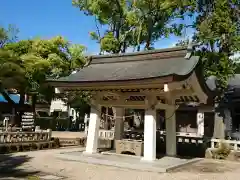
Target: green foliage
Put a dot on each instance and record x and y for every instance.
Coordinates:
(80, 104)
(153, 19)
(78, 101)
(183, 43)
(8, 35)
(110, 13)
(130, 23)
(109, 43)
(218, 32)
(28, 63)
(222, 151)
(219, 65)
(11, 70)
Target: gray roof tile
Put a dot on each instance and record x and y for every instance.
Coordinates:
(134, 66)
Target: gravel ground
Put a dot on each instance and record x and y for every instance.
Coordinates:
(44, 163)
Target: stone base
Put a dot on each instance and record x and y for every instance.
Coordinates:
(132, 146)
(89, 153)
(168, 155)
(148, 160)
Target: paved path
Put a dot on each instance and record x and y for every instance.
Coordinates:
(44, 163)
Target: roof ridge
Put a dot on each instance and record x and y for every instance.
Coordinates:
(140, 56)
(162, 50)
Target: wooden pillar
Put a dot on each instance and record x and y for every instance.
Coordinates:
(219, 127)
(119, 122)
(106, 119)
(171, 142)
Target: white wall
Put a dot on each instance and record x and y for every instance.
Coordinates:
(58, 104)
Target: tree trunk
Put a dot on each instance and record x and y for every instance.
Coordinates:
(149, 39)
(139, 38)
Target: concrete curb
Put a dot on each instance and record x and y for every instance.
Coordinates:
(192, 161)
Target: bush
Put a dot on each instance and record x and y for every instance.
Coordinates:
(222, 151)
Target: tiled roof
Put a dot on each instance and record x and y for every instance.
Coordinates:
(135, 66)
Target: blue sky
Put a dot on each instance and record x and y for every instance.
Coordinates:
(48, 18)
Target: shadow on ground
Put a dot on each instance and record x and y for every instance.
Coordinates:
(206, 166)
(10, 166)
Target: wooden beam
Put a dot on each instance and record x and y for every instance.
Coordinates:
(123, 103)
(177, 92)
(193, 82)
(126, 84)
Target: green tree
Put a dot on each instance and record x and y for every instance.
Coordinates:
(28, 63)
(184, 42)
(40, 59)
(152, 20)
(11, 73)
(130, 23)
(111, 14)
(9, 67)
(8, 35)
(79, 101)
(218, 31)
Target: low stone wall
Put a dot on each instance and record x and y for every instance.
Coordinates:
(67, 138)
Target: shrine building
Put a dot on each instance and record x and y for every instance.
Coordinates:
(153, 80)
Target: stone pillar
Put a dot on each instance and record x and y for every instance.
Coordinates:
(86, 122)
(119, 122)
(171, 142)
(150, 135)
(93, 130)
(228, 122)
(200, 123)
(219, 127)
(106, 118)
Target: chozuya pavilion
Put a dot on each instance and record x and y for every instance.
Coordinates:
(149, 80)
